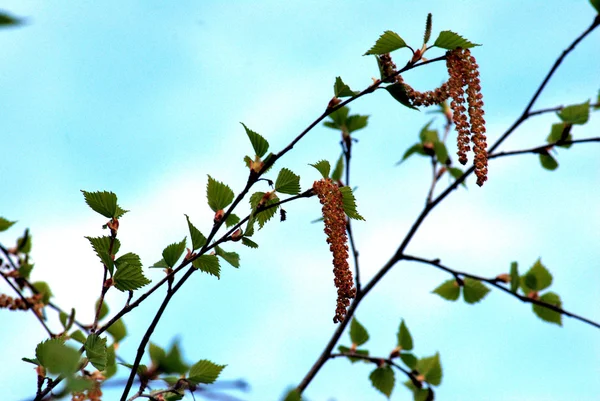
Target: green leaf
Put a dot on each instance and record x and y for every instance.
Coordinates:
(249, 243)
(58, 358)
(43, 288)
(232, 220)
(25, 270)
(67, 320)
(349, 203)
(537, 278)
(78, 336)
(101, 246)
(338, 118)
(340, 89)
(346, 350)
(208, 264)
(104, 203)
(95, 351)
(287, 182)
(548, 161)
(383, 380)
(219, 195)
(398, 92)
(431, 368)
(292, 395)
(339, 169)
(7, 20)
(77, 384)
(474, 291)
(416, 148)
(205, 372)
(129, 277)
(597, 106)
(358, 333)
(24, 242)
(5, 224)
(323, 166)
(230, 257)
(514, 277)
(387, 43)
(409, 360)
(456, 173)
(117, 330)
(356, 122)
(173, 362)
(560, 132)
(546, 314)
(198, 239)
(427, 29)
(173, 252)
(157, 354)
(263, 216)
(111, 362)
(449, 290)
(575, 114)
(160, 264)
(441, 153)
(405, 341)
(129, 258)
(260, 144)
(450, 41)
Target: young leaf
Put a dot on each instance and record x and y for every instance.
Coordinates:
(416, 148)
(546, 314)
(249, 243)
(198, 239)
(358, 333)
(575, 114)
(338, 118)
(129, 258)
(260, 144)
(398, 92)
(111, 362)
(409, 360)
(173, 362)
(208, 264)
(232, 220)
(78, 336)
(43, 288)
(537, 278)
(129, 277)
(427, 29)
(205, 372)
(230, 257)
(68, 320)
(117, 330)
(514, 277)
(293, 395)
(339, 169)
(287, 182)
(455, 172)
(387, 43)
(441, 153)
(103, 309)
(560, 132)
(356, 122)
(58, 358)
(346, 350)
(340, 89)
(349, 203)
(383, 380)
(104, 203)
(219, 195)
(263, 216)
(449, 290)
(157, 354)
(450, 41)
(95, 351)
(173, 252)
(160, 264)
(5, 224)
(548, 161)
(405, 341)
(431, 368)
(323, 166)
(474, 291)
(101, 246)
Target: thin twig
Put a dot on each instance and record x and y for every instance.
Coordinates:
(377, 361)
(542, 148)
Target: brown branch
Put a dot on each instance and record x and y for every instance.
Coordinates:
(542, 148)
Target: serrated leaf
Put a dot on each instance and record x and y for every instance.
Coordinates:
(575, 114)
(441, 153)
(548, 161)
(514, 277)
(356, 122)
(546, 314)
(405, 341)
(117, 330)
(205, 372)
(218, 194)
(449, 290)
(560, 132)
(259, 144)
(431, 368)
(129, 277)
(56, 357)
(7, 20)
(173, 362)
(287, 182)
(323, 167)
(249, 243)
(398, 92)
(537, 278)
(101, 246)
(383, 379)
(450, 40)
(387, 43)
(349, 203)
(263, 216)
(105, 203)
(208, 264)
(474, 291)
(358, 333)
(160, 264)
(340, 89)
(292, 395)
(129, 258)
(95, 351)
(78, 336)
(230, 257)
(409, 360)
(336, 175)
(5, 224)
(198, 239)
(173, 252)
(416, 148)
(232, 220)
(43, 288)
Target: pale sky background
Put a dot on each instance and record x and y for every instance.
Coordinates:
(144, 98)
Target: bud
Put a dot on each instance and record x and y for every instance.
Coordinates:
(505, 278)
(237, 235)
(219, 216)
(333, 102)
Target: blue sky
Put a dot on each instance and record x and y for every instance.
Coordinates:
(145, 99)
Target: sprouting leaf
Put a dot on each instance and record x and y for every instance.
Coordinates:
(449, 290)
(560, 132)
(405, 340)
(416, 148)
(546, 314)
(260, 144)
(205, 372)
(338, 118)
(5, 224)
(450, 41)
(198, 239)
(43, 288)
(157, 354)
(323, 166)
(287, 182)
(208, 264)
(339, 169)
(514, 277)
(427, 29)
(398, 92)
(346, 350)
(230, 257)
(101, 246)
(68, 320)
(232, 220)
(409, 360)
(387, 43)
(383, 380)
(173, 362)
(349, 203)
(474, 290)
(24, 242)
(129, 277)
(340, 89)
(356, 122)
(537, 278)
(548, 161)
(575, 114)
(173, 252)
(95, 351)
(264, 200)
(219, 195)
(358, 333)
(58, 358)
(7, 20)
(104, 203)
(431, 368)
(249, 243)
(78, 336)
(456, 173)
(441, 153)
(160, 264)
(117, 330)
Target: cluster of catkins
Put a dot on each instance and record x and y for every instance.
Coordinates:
(334, 218)
(35, 302)
(463, 72)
